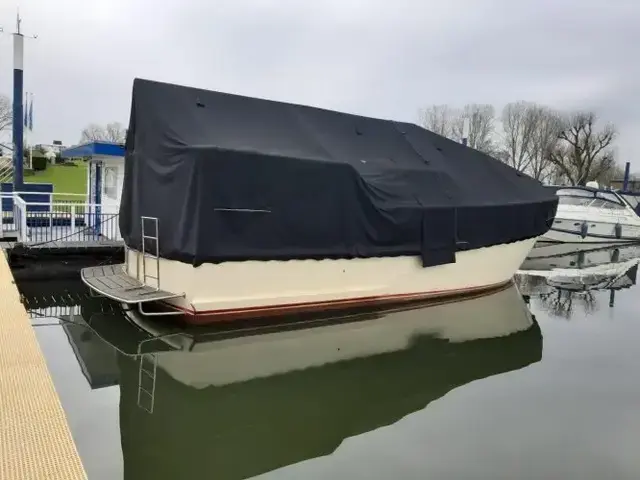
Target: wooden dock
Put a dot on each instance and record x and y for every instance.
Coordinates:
(35, 440)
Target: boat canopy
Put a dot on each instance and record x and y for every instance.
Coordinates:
(233, 178)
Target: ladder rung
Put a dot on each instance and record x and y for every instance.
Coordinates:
(141, 389)
(149, 237)
(150, 374)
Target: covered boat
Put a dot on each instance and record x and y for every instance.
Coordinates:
(235, 206)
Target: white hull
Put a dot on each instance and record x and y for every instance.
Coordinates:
(260, 288)
(603, 225)
(544, 249)
(605, 232)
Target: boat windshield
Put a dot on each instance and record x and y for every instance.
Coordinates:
(589, 198)
(633, 200)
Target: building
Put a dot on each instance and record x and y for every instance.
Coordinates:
(55, 147)
(633, 185)
(105, 177)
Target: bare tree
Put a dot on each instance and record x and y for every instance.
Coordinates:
(449, 122)
(519, 123)
(6, 113)
(440, 119)
(116, 132)
(582, 153)
(112, 132)
(481, 120)
(548, 126)
(91, 133)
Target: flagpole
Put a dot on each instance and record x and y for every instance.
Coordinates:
(26, 123)
(31, 130)
(18, 106)
(18, 120)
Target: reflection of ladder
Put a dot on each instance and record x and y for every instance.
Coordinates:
(155, 255)
(147, 381)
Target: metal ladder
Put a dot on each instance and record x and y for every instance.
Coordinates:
(146, 395)
(145, 254)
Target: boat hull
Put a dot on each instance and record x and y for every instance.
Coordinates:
(233, 290)
(576, 224)
(599, 233)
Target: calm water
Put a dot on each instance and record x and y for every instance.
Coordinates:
(536, 382)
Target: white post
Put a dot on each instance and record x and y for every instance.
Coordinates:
(73, 219)
(465, 131)
(23, 217)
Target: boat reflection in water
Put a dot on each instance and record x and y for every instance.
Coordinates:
(563, 276)
(232, 404)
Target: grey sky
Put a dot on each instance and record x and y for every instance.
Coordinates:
(372, 57)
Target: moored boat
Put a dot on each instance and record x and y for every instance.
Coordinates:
(236, 207)
(592, 215)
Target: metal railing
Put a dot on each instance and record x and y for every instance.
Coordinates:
(6, 169)
(58, 221)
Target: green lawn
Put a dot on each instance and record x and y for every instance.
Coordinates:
(65, 179)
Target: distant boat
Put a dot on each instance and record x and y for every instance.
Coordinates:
(235, 206)
(592, 215)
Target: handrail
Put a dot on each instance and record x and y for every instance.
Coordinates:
(50, 193)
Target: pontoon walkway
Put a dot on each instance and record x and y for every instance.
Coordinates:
(35, 440)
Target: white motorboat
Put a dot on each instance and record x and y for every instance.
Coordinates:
(593, 215)
(242, 207)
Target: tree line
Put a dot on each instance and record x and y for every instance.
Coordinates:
(111, 132)
(552, 146)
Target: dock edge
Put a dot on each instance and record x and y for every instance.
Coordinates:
(35, 438)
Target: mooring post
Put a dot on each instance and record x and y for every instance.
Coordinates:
(625, 182)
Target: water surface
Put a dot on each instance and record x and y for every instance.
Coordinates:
(536, 381)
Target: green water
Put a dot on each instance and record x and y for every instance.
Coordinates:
(500, 387)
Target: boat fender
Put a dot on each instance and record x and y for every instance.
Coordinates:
(615, 256)
(618, 230)
(584, 229)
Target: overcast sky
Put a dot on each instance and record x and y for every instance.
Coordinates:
(372, 57)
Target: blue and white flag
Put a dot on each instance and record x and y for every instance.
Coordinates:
(31, 115)
(26, 119)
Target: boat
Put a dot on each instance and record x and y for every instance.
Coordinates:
(236, 207)
(252, 402)
(591, 214)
